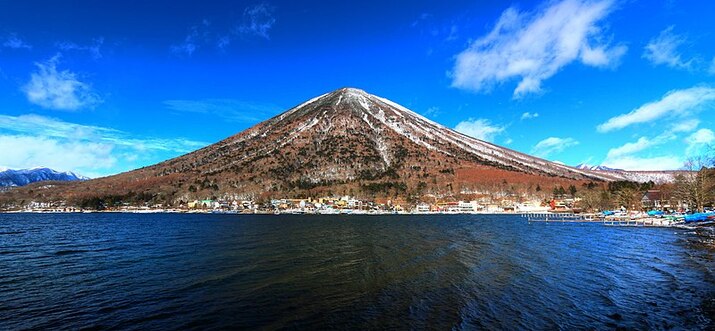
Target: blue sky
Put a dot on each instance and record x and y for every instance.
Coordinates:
(105, 87)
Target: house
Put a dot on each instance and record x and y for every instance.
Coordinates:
(422, 208)
(652, 199)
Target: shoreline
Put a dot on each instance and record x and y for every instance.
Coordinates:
(170, 211)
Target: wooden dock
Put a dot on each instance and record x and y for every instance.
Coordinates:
(560, 217)
(639, 222)
(597, 218)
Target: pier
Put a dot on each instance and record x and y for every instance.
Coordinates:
(559, 217)
(639, 222)
(593, 218)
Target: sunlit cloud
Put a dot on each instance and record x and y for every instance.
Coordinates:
(59, 89)
(676, 103)
(33, 140)
(643, 154)
(481, 129)
(533, 46)
(22, 152)
(528, 115)
(663, 50)
(552, 145)
(699, 142)
(685, 125)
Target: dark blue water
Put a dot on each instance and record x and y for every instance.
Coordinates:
(124, 271)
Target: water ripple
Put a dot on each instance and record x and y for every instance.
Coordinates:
(141, 272)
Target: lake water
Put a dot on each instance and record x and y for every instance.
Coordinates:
(179, 271)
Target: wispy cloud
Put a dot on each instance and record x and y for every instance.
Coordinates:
(640, 145)
(94, 49)
(257, 21)
(230, 110)
(685, 125)
(33, 140)
(532, 47)
(663, 50)
(433, 111)
(13, 41)
(54, 89)
(552, 145)
(528, 115)
(679, 103)
(49, 127)
(643, 154)
(481, 129)
(197, 36)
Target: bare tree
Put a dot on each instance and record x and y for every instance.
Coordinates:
(696, 183)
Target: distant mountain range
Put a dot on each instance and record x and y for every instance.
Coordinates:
(22, 177)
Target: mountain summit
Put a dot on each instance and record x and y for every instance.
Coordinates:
(350, 135)
(343, 142)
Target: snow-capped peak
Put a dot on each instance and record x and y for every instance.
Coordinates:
(20, 177)
(584, 166)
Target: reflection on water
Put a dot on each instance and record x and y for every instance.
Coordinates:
(359, 272)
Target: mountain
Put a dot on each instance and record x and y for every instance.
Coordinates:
(584, 166)
(21, 177)
(345, 142)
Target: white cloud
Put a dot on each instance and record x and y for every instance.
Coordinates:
(624, 157)
(257, 21)
(674, 103)
(699, 142)
(481, 129)
(552, 145)
(629, 162)
(528, 115)
(663, 50)
(532, 47)
(32, 140)
(685, 125)
(21, 152)
(702, 136)
(15, 42)
(53, 89)
(629, 148)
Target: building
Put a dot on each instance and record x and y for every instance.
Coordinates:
(422, 208)
(652, 199)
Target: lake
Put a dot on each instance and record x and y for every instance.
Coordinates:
(190, 271)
